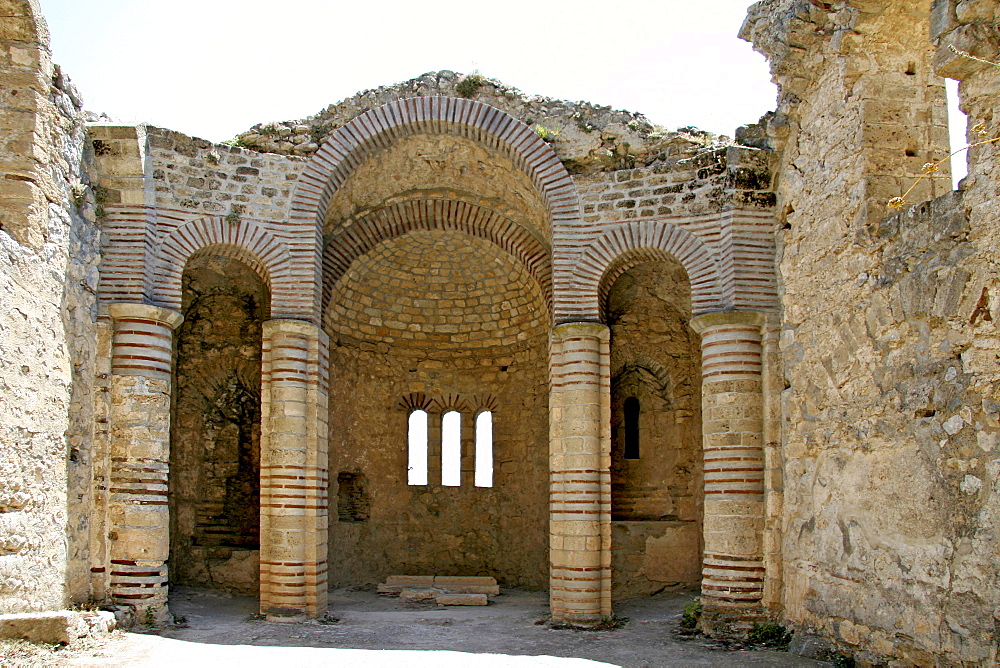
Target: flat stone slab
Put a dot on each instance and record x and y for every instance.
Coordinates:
(461, 599)
(420, 594)
(456, 584)
(410, 581)
(469, 580)
(491, 590)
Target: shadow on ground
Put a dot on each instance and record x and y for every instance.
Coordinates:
(366, 629)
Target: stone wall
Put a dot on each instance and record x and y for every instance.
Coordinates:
(586, 137)
(48, 283)
(196, 176)
(887, 340)
(693, 182)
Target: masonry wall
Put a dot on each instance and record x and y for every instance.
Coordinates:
(888, 344)
(193, 176)
(48, 283)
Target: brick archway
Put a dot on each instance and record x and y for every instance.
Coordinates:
(373, 130)
(245, 241)
(624, 246)
(399, 219)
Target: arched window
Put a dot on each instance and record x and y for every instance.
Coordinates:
(484, 449)
(417, 440)
(451, 449)
(631, 428)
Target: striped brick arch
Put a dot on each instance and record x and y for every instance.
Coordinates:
(245, 241)
(399, 219)
(378, 128)
(628, 244)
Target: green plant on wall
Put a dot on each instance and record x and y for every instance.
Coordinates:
(469, 86)
(546, 134)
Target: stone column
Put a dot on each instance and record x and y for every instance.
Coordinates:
(138, 512)
(580, 473)
(293, 471)
(732, 413)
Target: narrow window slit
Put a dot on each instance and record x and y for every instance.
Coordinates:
(484, 449)
(417, 441)
(631, 428)
(451, 449)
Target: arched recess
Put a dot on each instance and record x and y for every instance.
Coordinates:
(444, 320)
(216, 418)
(247, 241)
(645, 297)
(378, 128)
(627, 244)
(401, 218)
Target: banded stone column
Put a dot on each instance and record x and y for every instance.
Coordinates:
(732, 413)
(293, 471)
(138, 511)
(580, 473)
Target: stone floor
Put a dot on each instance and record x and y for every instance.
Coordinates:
(366, 629)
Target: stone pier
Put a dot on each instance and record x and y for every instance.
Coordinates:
(580, 473)
(293, 471)
(732, 409)
(139, 517)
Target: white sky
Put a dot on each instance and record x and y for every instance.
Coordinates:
(213, 68)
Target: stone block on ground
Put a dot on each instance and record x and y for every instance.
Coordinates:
(410, 580)
(491, 590)
(57, 627)
(419, 594)
(461, 599)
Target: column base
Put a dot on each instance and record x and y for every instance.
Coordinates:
(731, 621)
(285, 615)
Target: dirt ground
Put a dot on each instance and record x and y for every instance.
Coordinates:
(366, 629)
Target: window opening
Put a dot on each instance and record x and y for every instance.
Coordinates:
(451, 449)
(958, 124)
(417, 440)
(631, 428)
(484, 449)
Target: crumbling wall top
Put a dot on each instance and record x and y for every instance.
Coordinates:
(586, 137)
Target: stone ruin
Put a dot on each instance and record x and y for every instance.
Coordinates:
(443, 329)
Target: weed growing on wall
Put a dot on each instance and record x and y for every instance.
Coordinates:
(931, 167)
(470, 85)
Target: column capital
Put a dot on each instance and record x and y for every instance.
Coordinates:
(571, 330)
(164, 316)
(288, 326)
(705, 321)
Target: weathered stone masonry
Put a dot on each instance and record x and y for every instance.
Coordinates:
(706, 363)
